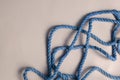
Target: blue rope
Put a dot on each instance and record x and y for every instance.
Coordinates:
(53, 70)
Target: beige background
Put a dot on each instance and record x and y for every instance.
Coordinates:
(23, 28)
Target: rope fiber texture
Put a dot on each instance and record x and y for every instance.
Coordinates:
(53, 69)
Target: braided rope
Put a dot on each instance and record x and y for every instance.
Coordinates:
(53, 70)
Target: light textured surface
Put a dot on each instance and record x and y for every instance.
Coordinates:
(23, 28)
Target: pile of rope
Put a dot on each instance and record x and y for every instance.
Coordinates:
(53, 69)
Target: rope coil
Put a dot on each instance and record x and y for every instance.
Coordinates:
(53, 70)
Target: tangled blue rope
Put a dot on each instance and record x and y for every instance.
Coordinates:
(53, 70)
